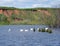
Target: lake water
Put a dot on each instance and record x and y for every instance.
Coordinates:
(30, 38)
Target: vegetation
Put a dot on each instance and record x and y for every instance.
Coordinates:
(32, 16)
(8, 8)
(3, 20)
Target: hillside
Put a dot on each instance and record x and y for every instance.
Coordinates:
(47, 16)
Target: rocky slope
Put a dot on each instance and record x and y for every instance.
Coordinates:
(9, 12)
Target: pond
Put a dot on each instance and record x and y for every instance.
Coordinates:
(29, 38)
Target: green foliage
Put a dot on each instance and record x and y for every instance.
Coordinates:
(3, 18)
(12, 16)
(32, 16)
(8, 8)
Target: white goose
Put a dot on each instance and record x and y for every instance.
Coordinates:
(46, 28)
(26, 30)
(21, 30)
(31, 29)
(37, 28)
(9, 30)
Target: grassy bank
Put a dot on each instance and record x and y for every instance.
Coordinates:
(46, 16)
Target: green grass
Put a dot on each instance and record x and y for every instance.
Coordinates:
(32, 16)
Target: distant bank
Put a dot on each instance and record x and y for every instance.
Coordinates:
(14, 16)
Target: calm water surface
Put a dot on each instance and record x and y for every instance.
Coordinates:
(30, 38)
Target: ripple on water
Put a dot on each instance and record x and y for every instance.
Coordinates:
(17, 38)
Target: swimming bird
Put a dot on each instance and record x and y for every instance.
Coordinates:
(26, 30)
(21, 30)
(31, 29)
(9, 30)
(34, 29)
(37, 28)
(46, 28)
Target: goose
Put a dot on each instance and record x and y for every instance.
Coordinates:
(46, 28)
(9, 30)
(37, 28)
(26, 30)
(31, 29)
(21, 30)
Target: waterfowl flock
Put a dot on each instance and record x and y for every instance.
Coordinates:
(34, 30)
